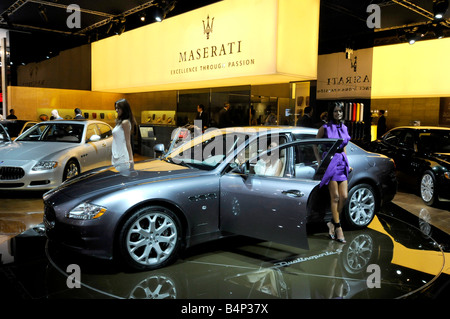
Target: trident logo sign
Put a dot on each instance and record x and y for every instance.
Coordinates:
(207, 29)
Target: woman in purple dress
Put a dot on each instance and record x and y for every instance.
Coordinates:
(336, 175)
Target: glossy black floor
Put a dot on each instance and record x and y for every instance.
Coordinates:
(400, 255)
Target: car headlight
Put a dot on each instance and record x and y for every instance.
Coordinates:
(45, 165)
(86, 211)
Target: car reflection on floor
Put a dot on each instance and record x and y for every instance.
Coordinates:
(390, 259)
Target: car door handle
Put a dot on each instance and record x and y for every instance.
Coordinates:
(293, 193)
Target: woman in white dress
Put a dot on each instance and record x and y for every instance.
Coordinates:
(122, 152)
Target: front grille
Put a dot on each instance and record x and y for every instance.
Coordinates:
(8, 173)
(49, 217)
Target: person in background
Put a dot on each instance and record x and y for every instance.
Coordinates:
(11, 115)
(122, 152)
(55, 115)
(224, 116)
(323, 119)
(336, 175)
(78, 115)
(307, 120)
(202, 116)
(271, 118)
(381, 126)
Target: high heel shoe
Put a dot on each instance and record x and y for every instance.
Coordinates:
(331, 230)
(336, 226)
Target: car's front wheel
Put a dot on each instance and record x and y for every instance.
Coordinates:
(428, 188)
(71, 170)
(361, 206)
(150, 238)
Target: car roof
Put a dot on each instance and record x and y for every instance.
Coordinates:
(272, 129)
(423, 128)
(72, 121)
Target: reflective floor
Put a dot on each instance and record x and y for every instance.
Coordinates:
(403, 254)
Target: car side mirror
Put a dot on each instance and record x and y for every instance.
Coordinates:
(95, 138)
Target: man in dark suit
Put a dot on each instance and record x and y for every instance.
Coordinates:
(78, 115)
(307, 120)
(224, 116)
(202, 116)
(381, 126)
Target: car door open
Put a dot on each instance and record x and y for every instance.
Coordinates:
(275, 207)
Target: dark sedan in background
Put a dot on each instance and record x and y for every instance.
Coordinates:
(422, 158)
(210, 187)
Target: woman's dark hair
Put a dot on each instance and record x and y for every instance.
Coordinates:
(331, 111)
(127, 114)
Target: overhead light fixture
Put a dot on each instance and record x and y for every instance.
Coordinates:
(142, 16)
(159, 14)
(163, 9)
(440, 8)
(410, 35)
(411, 38)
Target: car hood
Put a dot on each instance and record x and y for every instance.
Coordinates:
(31, 150)
(107, 179)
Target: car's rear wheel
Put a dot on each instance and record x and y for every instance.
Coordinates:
(150, 238)
(428, 188)
(361, 206)
(71, 170)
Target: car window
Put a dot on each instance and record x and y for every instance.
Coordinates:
(105, 131)
(92, 130)
(53, 132)
(393, 137)
(437, 141)
(33, 134)
(263, 161)
(207, 151)
(407, 141)
(307, 156)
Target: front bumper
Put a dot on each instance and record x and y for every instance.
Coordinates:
(87, 237)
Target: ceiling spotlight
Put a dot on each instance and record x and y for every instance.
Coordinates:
(440, 7)
(411, 37)
(142, 16)
(159, 14)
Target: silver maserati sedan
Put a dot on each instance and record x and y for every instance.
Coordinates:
(261, 182)
(50, 152)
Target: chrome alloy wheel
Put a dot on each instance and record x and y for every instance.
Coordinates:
(361, 206)
(71, 170)
(427, 188)
(152, 238)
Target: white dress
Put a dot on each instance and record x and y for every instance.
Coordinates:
(120, 158)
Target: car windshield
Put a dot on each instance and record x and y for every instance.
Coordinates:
(436, 141)
(208, 150)
(54, 132)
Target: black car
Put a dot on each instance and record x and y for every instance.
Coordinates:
(422, 158)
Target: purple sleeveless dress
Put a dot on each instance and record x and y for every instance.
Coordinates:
(338, 168)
